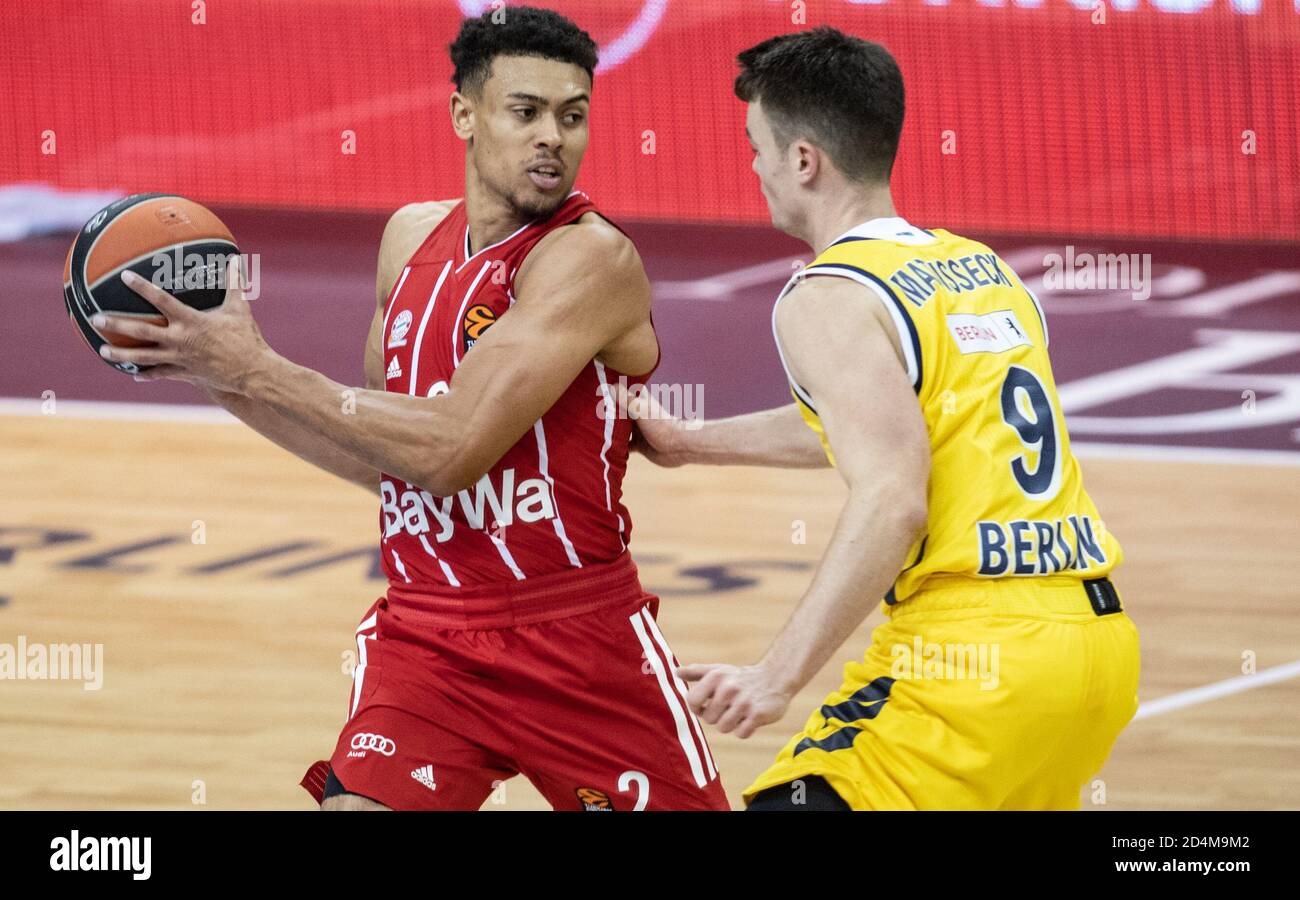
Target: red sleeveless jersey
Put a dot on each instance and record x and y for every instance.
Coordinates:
(552, 503)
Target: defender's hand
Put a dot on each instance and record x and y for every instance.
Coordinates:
(656, 435)
(735, 698)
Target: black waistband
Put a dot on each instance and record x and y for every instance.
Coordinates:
(1103, 596)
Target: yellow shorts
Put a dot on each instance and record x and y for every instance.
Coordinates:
(1004, 694)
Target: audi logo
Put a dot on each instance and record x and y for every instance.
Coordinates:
(376, 742)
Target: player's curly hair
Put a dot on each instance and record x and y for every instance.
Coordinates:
(840, 92)
(517, 31)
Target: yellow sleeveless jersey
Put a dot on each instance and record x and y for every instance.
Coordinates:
(1005, 495)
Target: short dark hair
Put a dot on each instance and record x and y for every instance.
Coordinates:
(517, 31)
(841, 92)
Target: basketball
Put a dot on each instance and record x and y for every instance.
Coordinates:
(175, 243)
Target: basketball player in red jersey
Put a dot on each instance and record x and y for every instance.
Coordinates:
(514, 636)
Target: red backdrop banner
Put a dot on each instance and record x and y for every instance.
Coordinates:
(1141, 117)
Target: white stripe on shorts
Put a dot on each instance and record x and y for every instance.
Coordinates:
(670, 696)
(681, 691)
(359, 673)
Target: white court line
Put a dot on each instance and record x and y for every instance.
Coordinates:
(1219, 301)
(212, 415)
(1170, 453)
(1219, 689)
(121, 412)
(722, 285)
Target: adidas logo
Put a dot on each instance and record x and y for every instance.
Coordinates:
(394, 370)
(424, 775)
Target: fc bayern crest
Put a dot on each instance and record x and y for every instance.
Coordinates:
(401, 325)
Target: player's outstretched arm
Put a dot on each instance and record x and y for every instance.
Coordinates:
(289, 436)
(582, 290)
(405, 230)
(773, 437)
(882, 449)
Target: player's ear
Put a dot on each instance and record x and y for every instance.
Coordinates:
(806, 160)
(461, 107)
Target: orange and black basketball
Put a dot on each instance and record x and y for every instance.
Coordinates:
(175, 243)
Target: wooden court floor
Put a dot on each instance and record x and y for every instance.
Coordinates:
(224, 667)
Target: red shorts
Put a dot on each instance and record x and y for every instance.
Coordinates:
(565, 680)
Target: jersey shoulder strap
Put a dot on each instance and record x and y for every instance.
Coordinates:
(867, 254)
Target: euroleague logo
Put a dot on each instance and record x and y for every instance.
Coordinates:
(593, 800)
(478, 319)
(613, 52)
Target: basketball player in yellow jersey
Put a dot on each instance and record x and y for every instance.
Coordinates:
(1006, 667)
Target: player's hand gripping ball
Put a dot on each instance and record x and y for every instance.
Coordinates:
(169, 241)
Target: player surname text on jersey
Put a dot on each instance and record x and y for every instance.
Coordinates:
(917, 278)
